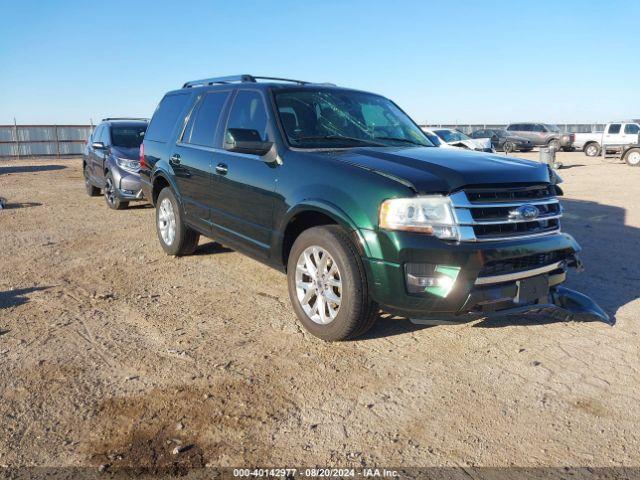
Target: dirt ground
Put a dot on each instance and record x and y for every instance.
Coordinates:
(113, 353)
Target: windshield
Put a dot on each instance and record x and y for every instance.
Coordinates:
(451, 135)
(127, 137)
(433, 138)
(341, 119)
(553, 128)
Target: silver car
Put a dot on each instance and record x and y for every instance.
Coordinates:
(111, 161)
(542, 134)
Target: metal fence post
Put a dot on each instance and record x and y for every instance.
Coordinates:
(15, 129)
(57, 142)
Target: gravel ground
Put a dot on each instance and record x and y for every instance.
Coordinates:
(113, 353)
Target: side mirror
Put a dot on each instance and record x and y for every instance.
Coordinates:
(97, 145)
(243, 140)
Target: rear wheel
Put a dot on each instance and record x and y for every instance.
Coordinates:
(92, 191)
(328, 286)
(632, 157)
(592, 150)
(110, 195)
(174, 235)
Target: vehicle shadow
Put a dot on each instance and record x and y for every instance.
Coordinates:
(30, 168)
(13, 298)
(610, 255)
(211, 248)
(388, 325)
(11, 206)
(139, 206)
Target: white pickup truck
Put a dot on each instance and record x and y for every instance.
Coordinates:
(615, 136)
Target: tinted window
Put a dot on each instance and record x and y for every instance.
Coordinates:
(614, 128)
(205, 120)
(539, 128)
(631, 128)
(165, 117)
(127, 137)
(248, 113)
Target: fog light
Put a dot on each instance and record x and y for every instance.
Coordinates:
(435, 279)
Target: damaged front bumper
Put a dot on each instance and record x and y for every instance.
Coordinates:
(433, 282)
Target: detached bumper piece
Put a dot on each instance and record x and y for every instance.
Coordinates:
(499, 294)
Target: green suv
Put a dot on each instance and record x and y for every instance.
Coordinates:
(341, 190)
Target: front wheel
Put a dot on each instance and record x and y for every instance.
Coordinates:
(632, 157)
(327, 285)
(555, 144)
(174, 235)
(110, 195)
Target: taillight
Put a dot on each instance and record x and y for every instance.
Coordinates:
(142, 163)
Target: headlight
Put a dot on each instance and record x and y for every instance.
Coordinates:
(132, 166)
(430, 215)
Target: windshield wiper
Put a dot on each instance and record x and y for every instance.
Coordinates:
(340, 137)
(398, 139)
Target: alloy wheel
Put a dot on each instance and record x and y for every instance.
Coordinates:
(591, 151)
(110, 192)
(167, 221)
(318, 285)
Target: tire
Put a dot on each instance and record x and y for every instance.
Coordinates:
(632, 157)
(110, 196)
(356, 312)
(92, 191)
(508, 147)
(554, 143)
(183, 240)
(592, 149)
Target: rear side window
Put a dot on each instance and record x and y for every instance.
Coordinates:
(164, 120)
(202, 125)
(248, 115)
(631, 128)
(614, 128)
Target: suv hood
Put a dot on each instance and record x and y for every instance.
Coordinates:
(439, 170)
(132, 153)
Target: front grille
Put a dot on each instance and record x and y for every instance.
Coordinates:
(521, 264)
(491, 214)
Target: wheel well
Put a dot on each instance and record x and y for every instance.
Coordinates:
(158, 184)
(298, 224)
(591, 142)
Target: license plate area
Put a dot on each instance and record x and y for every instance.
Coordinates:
(532, 288)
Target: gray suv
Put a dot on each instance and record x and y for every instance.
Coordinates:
(111, 161)
(543, 134)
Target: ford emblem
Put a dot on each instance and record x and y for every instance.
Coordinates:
(524, 212)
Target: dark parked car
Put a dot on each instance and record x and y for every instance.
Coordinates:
(543, 134)
(111, 161)
(503, 141)
(341, 190)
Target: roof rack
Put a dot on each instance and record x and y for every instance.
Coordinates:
(123, 118)
(243, 79)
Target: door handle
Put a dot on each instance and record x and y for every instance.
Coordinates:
(175, 159)
(222, 169)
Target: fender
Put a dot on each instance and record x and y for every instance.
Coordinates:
(159, 172)
(327, 208)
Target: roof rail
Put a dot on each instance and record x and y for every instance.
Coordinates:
(242, 79)
(123, 118)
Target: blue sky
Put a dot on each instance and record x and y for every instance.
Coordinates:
(465, 61)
